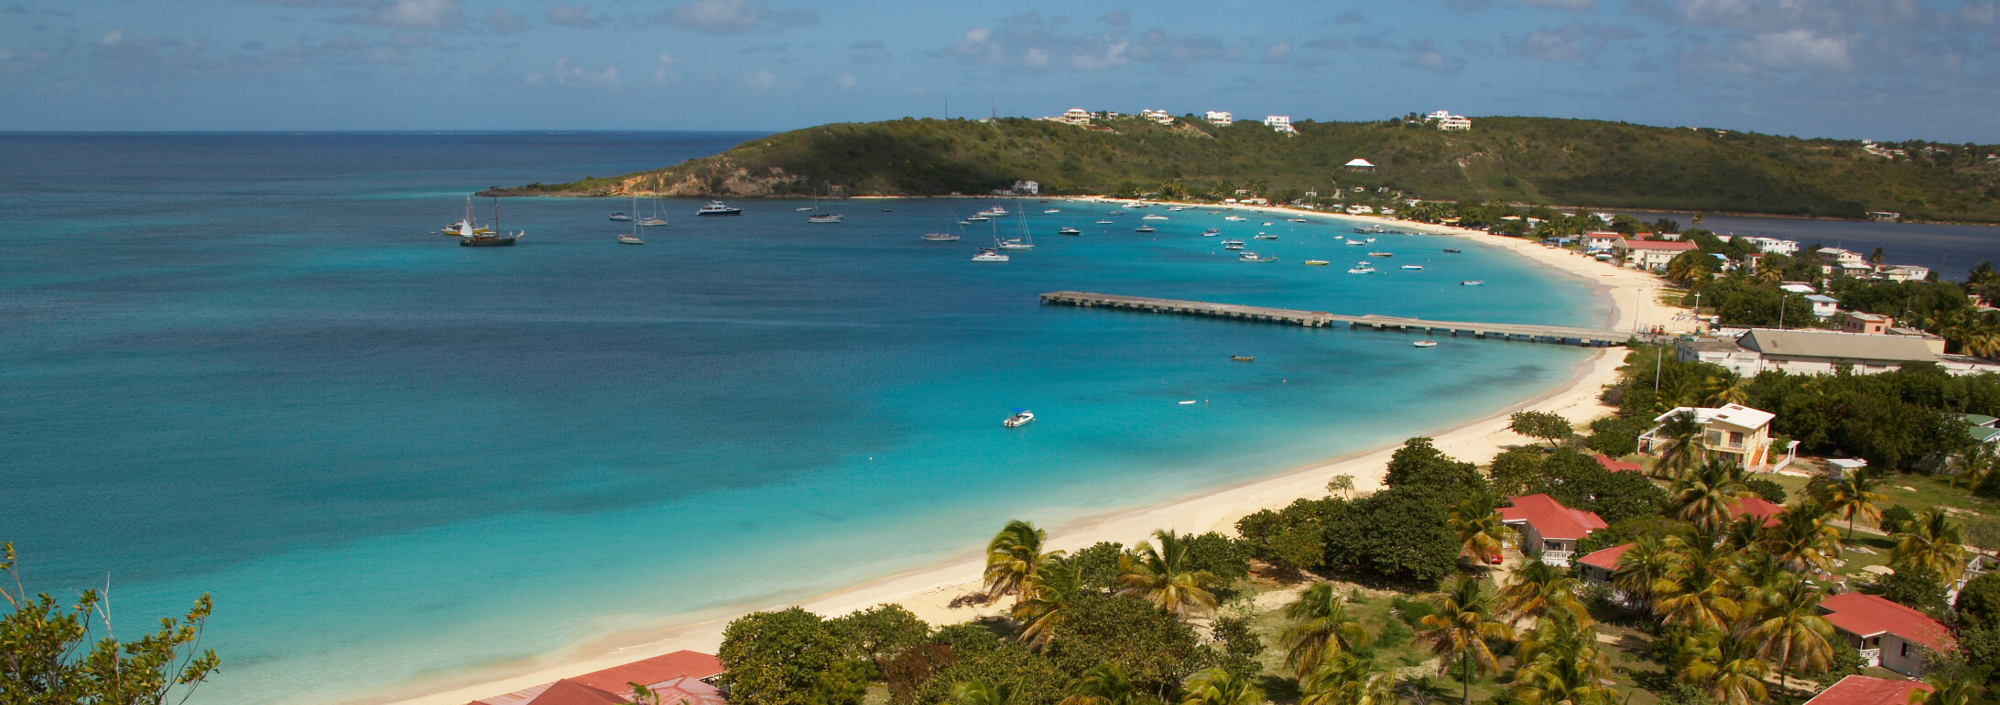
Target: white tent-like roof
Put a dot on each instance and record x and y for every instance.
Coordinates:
(1360, 162)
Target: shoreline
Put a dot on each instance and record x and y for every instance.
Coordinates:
(927, 591)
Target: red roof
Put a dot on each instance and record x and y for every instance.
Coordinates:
(1550, 518)
(1606, 558)
(569, 692)
(1870, 615)
(652, 671)
(1616, 465)
(1864, 690)
(1672, 245)
(1757, 507)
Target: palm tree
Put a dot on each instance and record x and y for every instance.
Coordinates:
(1952, 687)
(1793, 634)
(1538, 588)
(1704, 497)
(1216, 686)
(1164, 577)
(1560, 664)
(1853, 495)
(1320, 630)
(1726, 668)
(1644, 569)
(1696, 592)
(1479, 530)
(1345, 679)
(1105, 684)
(1681, 451)
(1727, 388)
(1013, 558)
(1803, 539)
(1046, 600)
(982, 693)
(1974, 466)
(1930, 542)
(1460, 627)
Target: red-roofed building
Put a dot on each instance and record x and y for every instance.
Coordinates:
(1887, 634)
(681, 675)
(1616, 465)
(1600, 564)
(1756, 507)
(1547, 527)
(1865, 690)
(1650, 254)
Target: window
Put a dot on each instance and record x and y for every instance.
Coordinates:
(1905, 651)
(1735, 439)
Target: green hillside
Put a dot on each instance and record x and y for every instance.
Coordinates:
(1529, 160)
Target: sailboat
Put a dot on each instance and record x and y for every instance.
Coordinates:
(1025, 242)
(489, 238)
(655, 220)
(833, 217)
(467, 227)
(633, 238)
(943, 233)
(991, 254)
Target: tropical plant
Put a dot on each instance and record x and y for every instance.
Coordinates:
(1682, 449)
(1320, 629)
(1932, 543)
(1726, 388)
(1954, 686)
(1347, 679)
(1216, 686)
(1643, 569)
(1480, 533)
(1803, 537)
(1696, 592)
(1459, 628)
(1104, 684)
(1726, 668)
(982, 693)
(1853, 495)
(1538, 588)
(1791, 631)
(47, 655)
(1704, 497)
(1013, 558)
(1047, 598)
(1163, 577)
(1561, 664)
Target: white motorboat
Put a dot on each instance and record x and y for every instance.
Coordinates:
(713, 208)
(621, 217)
(1254, 257)
(988, 254)
(1357, 243)
(1143, 229)
(1235, 217)
(802, 209)
(1426, 343)
(1019, 419)
(975, 218)
(1413, 266)
(1232, 244)
(1117, 212)
(1104, 222)
(1381, 254)
(1267, 225)
(1298, 220)
(1211, 232)
(1069, 231)
(1471, 282)
(1171, 209)
(1052, 210)
(1152, 216)
(1261, 236)
(1361, 268)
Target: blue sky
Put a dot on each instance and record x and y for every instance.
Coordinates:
(1882, 69)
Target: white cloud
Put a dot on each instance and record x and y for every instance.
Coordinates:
(1277, 52)
(761, 79)
(1569, 42)
(845, 81)
(1030, 41)
(1425, 55)
(577, 16)
(569, 74)
(411, 14)
(1798, 49)
(112, 38)
(1570, 5)
(734, 16)
(663, 72)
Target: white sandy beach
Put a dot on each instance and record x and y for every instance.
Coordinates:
(928, 591)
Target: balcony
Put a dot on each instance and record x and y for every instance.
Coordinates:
(1872, 657)
(1559, 559)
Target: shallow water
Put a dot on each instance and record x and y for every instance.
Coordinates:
(247, 365)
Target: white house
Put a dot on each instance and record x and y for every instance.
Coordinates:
(1360, 210)
(1775, 246)
(1823, 306)
(1449, 122)
(1028, 187)
(1548, 528)
(1073, 116)
(1159, 116)
(1219, 117)
(1885, 633)
(1280, 123)
(1650, 254)
(1902, 272)
(1732, 432)
(1601, 240)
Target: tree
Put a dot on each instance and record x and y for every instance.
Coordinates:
(1459, 628)
(1216, 686)
(1549, 426)
(1047, 599)
(1239, 647)
(1853, 495)
(1013, 557)
(1793, 634)
(1033, 680)
(1099, 565)
(1803, 539)
(1978, 603)
(1961, 685)
(1726, 668)
(1704, 497)
(878, 632)
(1645, 568)
(1164, 577)
(43, 657)
(1152, 648)
(1342, 483)
(1320, 630)
(1696, 592)
(1536, 589)
(982, 693)
(1104, 684)
(1398, 534)
(1479, 530)
(1932, 543)
(1681, 450)
(776, 658)
(1418, 464)
(1561, 664)
(1347, 679)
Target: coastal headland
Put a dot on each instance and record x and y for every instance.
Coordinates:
(928, 592)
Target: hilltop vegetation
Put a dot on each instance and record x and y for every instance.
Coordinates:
(1525, 160)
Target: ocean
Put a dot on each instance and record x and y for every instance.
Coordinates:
(248, 365)
(1949, 250)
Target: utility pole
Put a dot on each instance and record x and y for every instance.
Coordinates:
(1657, 355)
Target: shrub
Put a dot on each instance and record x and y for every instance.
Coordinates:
(1771, 491)
(1896, 517)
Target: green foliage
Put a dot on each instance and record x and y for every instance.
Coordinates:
(966, 638)
(1578, 481)
(1981, 648)
(1100, 565)
(1032, 679)
(44, 657)
(1399, 534)
(1239, 646)
(1418, 465)
(878, 632)
(844, 682)
(1978, 603)
(1616, 436)
(1546, 425)
(1291, 537)
(1533, 160)
(1895, 518)
(1152, 647)
(1227, 558)
(1913, 587)
(1845, 662)
(1770, 491)
(780, 658)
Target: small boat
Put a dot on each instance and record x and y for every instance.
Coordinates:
(1297, 220)
(1117, 212)
(1021, 417)
(824, 218)
(1261, 236)
(1369, 240)
(718, 208)
(1243, 358)
(1471, 282)
(1025, 242)
(1254, 257)
(1267, 225)
(630, 240)
(1361, 268)
(885, 210)
(467, 227)
(977, 219)
(1153, 216)
(1235, 217)
(1426, 343)
(652, 223)
(1052, 210)
(621, 217)
(1316, 263)
(1144, 229)
(1370, 229)
(1171, 209)
(1451, 250)
(1069, 231)
(802, 209)
(1358, 243)
(1413, 266)
(1232, 244)
(1187, 402)
(994, 212)
(988, 254)
(1381, 254)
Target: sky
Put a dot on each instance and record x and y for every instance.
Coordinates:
(1852, 69)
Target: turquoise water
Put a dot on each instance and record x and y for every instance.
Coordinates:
(244, 365)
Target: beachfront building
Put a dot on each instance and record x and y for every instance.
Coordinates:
(1601, 240)
(1219, 117)
(1763, 510)
(1732, 432)
(1885, 633)
(681, 677)
(1869, 690)
(1159, 116)
(1819, 352)
(1650, 255)
(1280, 123)
(1548, 528)
(1449, 122)
(1031, 188)
(1359, 164)
(1775, 246)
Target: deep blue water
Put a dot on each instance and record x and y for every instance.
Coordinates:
(247, 365)
(1950, 250)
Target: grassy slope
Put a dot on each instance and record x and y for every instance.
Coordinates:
(1532, 160)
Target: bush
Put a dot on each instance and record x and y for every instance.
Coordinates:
(1036, 680)
(783, 658)
(1397, 535)
(1227, 558)
(1616, 436)
(1896, 517)
(1100, 565)
(878, 632)
(1978, 605)
(1771, 491)
(1154, 648)
(1240, 646)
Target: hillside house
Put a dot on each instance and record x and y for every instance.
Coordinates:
(1280, 123)
(1548, 528)
(1158, 116)
(1733, 432)
(1823, 306)
(1448, 122)
(1220, 118)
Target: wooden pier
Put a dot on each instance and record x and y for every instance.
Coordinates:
(1558, 335)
